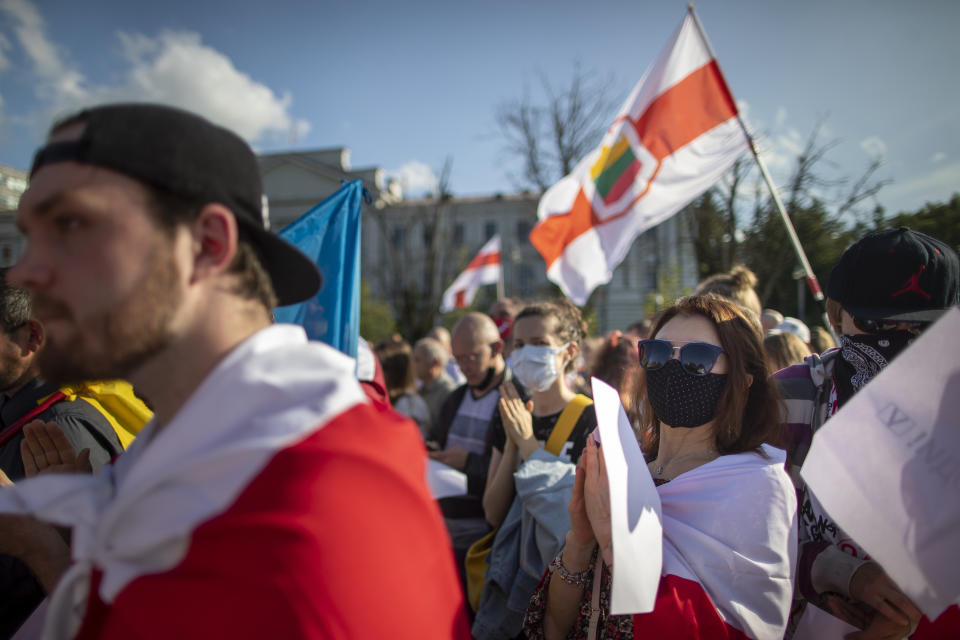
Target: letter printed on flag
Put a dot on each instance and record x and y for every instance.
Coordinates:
(483, 269)
(329, 234)
(675, 135)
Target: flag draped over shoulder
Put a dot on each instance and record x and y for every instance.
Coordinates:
(675, 135)
(729, 551)
(329, 234)
(483, 269)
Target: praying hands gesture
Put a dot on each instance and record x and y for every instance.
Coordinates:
(45, 449)
(517, 420)
(596, 489)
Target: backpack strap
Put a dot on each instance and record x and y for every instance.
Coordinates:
(566, 422)
(7, 434)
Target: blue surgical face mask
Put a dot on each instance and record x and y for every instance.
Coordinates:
(536, 366)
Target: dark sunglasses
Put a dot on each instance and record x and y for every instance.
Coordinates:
(696, 358)
(879, 326)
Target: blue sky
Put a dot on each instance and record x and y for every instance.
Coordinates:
(405, 84)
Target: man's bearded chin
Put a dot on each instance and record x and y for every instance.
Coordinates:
(130, 334)
(70, 363)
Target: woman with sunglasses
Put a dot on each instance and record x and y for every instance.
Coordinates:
(728, 507)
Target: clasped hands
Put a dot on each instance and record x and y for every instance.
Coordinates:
(517, 418)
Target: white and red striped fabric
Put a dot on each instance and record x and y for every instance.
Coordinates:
(483, 269)
(729, 551)
(675, 135)
(277, 503)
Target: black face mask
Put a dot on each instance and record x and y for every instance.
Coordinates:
(680, 399)
(486, 380)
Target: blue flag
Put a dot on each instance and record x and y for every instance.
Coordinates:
(329, 234)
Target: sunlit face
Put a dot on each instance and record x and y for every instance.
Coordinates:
(473, 355)
(682, 329)
(539, 331)
(105, 280)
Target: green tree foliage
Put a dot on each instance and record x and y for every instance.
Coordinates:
(708, 233)
(769, 253)
(376, 319)
(940, 220)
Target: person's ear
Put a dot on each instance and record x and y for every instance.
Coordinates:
(35, 335)
(215, 238)
(496, 348)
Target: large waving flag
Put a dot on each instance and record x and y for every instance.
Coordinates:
(483, 269)
(329, 234)
(675, 135)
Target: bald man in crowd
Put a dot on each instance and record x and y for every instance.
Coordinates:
(461, 433)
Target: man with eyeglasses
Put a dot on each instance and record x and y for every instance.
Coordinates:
(24, 397)
(460, 437)
(890, 285)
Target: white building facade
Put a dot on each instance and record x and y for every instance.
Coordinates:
(13, 183)
(407, 241)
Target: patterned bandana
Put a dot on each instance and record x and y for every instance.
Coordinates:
(871, 352)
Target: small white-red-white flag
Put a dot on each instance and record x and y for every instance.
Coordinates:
(483, 269)
(675, 135)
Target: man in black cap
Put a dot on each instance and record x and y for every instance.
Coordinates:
(253, 504)
(890, 286)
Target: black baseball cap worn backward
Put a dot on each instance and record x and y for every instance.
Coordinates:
(896, 274)
(189, 156)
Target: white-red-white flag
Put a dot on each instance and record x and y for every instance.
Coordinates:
(675, 135)
(483, 269)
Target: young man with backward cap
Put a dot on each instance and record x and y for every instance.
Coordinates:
(890, 285)
(268, 498)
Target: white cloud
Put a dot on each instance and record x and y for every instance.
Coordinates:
(935, 186)
(415, 178)
(781, 118)
(173, 68)
(939, 156)
(5, 46)
(874, 147)
(58, 81)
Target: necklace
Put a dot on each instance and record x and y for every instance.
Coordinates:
(658, 470)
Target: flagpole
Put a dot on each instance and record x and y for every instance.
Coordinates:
(811, 277)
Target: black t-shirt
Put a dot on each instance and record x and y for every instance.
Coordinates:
(543, 427)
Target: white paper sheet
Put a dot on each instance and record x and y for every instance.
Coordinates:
(445, 481)
(887, 467)
(634, 508)
(817, 624)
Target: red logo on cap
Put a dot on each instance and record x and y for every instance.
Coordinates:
(913, 284)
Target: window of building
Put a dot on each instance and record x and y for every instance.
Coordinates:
(397, 238)
(458, 234)
(523, 231)
(525, 279)
(489, 230)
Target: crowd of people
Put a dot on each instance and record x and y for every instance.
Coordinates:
(282, 489)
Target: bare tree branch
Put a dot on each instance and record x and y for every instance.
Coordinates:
(553, 137)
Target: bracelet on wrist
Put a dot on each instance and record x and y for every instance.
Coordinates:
(578, 579)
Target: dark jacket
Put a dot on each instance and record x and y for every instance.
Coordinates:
(469, 505)
(86, 428)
